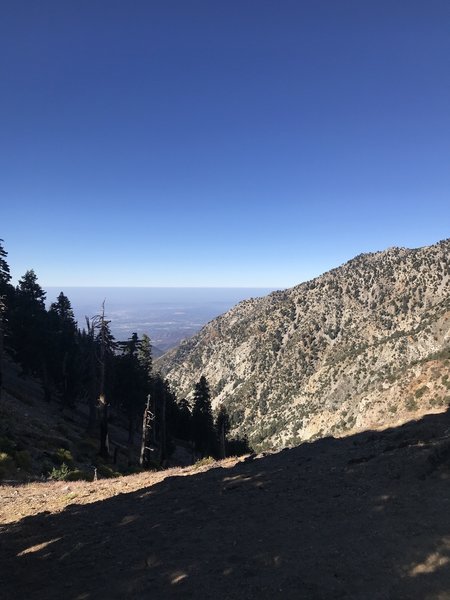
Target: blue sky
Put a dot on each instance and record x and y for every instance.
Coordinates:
(207, 143)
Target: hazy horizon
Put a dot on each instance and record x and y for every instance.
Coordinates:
(168, 315)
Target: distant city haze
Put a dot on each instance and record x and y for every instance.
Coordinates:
(167, 315)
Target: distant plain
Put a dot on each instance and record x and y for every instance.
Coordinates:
(167, 315)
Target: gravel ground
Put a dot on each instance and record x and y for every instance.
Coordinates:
(363, 517)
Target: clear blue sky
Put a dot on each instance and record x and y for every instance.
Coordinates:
(220, 143)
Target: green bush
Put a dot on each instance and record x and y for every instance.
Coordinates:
(411, 404)
(104, 471)
(203, 462)
(60, 474)
(78, 475)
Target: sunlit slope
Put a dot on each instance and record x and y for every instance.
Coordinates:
(363, 345)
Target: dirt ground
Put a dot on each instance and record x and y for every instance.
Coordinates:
(364, 517)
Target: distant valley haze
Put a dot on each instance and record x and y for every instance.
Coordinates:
(167, 315)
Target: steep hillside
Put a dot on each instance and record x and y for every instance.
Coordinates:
(364, 345)
(39, 438)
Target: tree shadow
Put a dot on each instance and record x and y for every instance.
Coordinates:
(367, 516)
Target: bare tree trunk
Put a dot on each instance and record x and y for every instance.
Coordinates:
(104, 440)
(146, 432)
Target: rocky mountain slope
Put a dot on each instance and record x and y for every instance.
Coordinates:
(364, 345)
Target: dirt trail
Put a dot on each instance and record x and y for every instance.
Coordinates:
(363, 517)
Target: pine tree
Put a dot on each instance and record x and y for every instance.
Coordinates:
(5, 275)
(106, 351)
(102, 347)
(31, 291)
(5, 292)
(64, 351)
(145, 354)
(131, 346)
(203, 432)
(29, 327)
(89, 371)
(131, 386)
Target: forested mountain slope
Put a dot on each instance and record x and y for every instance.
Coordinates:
(364, 345)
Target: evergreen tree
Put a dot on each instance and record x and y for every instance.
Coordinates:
(145, 355)
(131, 385)
(29, 327)
(101, 347)
(203, 432)
(5, 275)
(106, 344)
(131, 346)
(5, 295)
(64, 351)
(89, 371)
(29, 290)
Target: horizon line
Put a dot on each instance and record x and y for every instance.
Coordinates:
(175, 287)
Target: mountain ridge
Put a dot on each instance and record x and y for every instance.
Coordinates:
(318, 358)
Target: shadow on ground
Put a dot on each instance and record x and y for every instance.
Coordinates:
(367, 516)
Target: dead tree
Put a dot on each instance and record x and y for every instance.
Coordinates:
(146, 434)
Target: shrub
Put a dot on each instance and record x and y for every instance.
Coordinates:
(421, 391)
(78, 475)
(411, 404)
(203, 462)
(60, 474)
(107, 472)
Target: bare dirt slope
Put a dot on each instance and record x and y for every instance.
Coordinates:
(366, 516)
